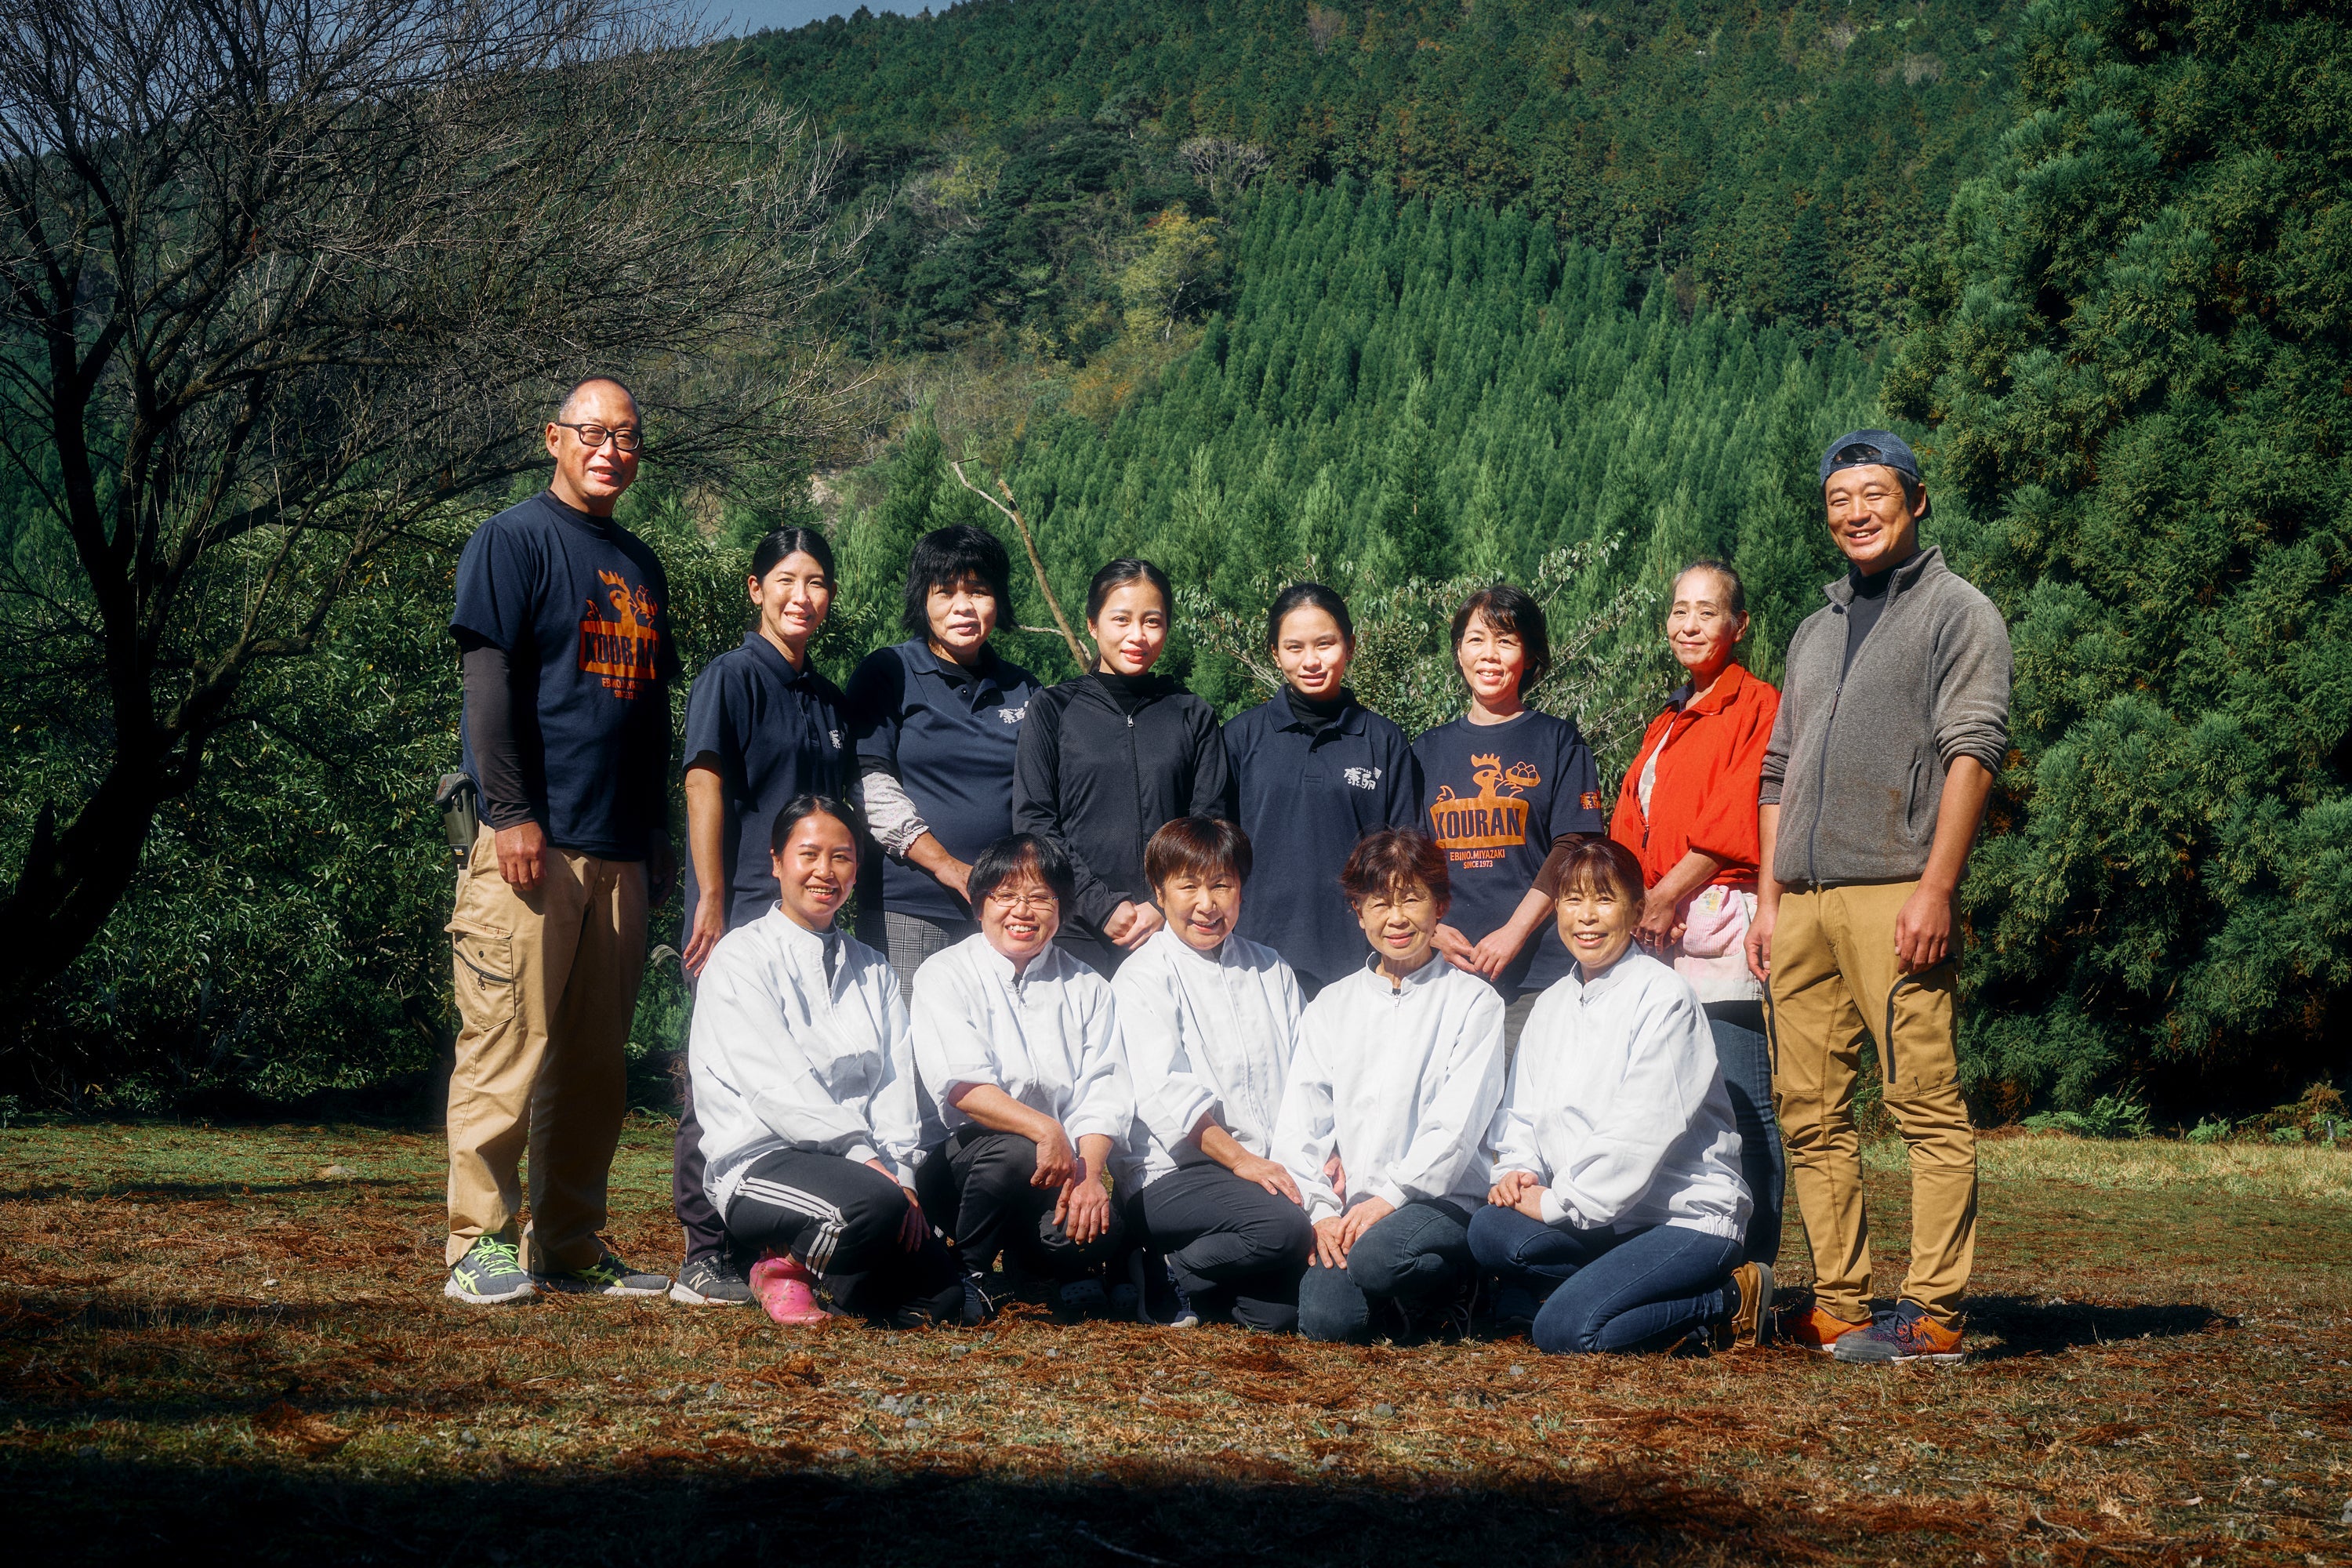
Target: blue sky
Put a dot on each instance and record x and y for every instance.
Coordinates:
(750, 15)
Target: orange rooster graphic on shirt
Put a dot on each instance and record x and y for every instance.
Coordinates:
(1473, 830)
(621, 647)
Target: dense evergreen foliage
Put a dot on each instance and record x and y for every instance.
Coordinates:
(1775, 160)
(1408, 389)
(1407, 299)
(2136, 338)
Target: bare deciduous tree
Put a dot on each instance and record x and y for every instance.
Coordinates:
(282, 281)
(1223, 164)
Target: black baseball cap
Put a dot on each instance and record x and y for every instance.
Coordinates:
(1867, 449)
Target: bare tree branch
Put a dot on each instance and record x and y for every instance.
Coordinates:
(285, 282)
(1084, 659)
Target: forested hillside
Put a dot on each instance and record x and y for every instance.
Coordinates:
(1403, 299)
(1408, 389)
(1776, 160)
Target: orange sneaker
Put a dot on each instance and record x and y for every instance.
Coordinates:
(1816, 1330)
(1908, 1334)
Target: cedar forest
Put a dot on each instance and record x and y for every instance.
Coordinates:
(1405, 298)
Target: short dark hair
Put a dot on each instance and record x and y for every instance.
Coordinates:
(807, 806)
(1198, 845)
(1021, 854)
(1597, 862)
(1395, 857)
(778, 543)
(1515, 611)
(947, 556)
(1307, 596)
(1725, 571)
(1119, 574)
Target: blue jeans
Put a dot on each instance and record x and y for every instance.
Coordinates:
(1611, 1292)
(1420, 1251)
(1747, 1059)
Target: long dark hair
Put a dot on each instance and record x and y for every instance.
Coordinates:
(783, 541)
(1306, 597)
(802, 806)
(1119, 574)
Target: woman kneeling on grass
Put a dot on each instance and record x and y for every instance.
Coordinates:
(1018, 1044)
(1617, 1183)
(805, 1076)
(1399, 1071)
(1210, 1021)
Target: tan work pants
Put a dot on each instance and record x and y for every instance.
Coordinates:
(547, 985)
(1834, 975)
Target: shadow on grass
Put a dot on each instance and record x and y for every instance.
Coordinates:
(190, 1192)
(696, 1511)
(2028, 1327)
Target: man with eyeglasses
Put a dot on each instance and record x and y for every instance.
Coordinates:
(562, 628)
(1893, 721)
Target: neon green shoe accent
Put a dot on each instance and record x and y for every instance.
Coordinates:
(490, 1272)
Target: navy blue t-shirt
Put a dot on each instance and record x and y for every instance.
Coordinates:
(1304, 799)
(1495, 796)
(581, 608)
(773, 732)
(950, 735)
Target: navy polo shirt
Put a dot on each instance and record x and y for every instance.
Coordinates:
(1305, 799)
(773, 733)
(1497, 796)
(949, 734)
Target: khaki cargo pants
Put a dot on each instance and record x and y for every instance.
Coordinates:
(547, 985)
(1834, 977)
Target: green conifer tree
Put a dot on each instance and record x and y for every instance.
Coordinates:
(2134, 343)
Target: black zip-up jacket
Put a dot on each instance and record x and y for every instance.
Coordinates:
(1104, 764)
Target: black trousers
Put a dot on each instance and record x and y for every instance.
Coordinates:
(1230, 1243)
(842, 1219)
(975, 1186)
(706, 1233)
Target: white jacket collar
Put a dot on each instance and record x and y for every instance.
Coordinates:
(1429, 974)
(1052, 964)
(794, 937)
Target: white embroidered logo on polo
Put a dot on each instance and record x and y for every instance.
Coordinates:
(1012, 715)
(1363, 778)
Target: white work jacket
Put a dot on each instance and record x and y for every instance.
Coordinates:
(1403, 1083)
(1048, 1037)
(1205, 1031)
(1617, 1104)
(783, 1059)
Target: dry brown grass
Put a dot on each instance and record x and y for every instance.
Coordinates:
(206, 1343)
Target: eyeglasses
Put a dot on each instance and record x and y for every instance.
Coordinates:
(1860, 452)
(1008, 902)
(594, 436)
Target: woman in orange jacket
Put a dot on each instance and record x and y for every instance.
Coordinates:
(1688, 811)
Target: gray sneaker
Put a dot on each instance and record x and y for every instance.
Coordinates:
(710, 1282)
(608, 1276)
(489, 1275)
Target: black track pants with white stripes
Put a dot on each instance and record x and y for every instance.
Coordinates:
(844, 1219)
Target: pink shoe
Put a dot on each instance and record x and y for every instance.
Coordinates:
(782, 1286)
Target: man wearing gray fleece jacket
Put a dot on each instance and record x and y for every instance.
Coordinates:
(1893, 721)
